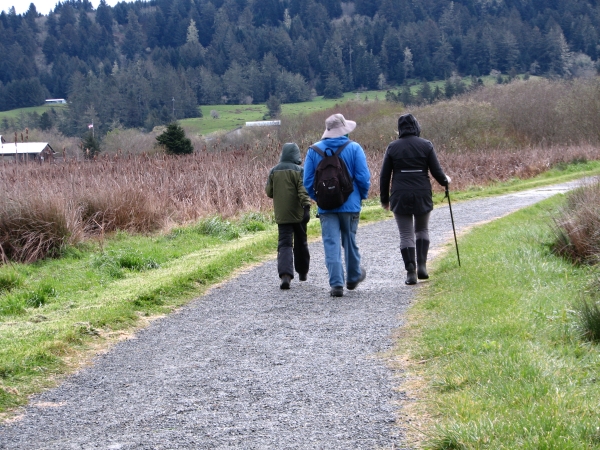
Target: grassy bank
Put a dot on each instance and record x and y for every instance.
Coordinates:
(495, 360)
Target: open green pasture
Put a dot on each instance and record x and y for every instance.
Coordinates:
(234, 116)
(15, 113)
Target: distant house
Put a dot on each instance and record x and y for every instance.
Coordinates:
(31, 151)
(55, 101)
(264, 123)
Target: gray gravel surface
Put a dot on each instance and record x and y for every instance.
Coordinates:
(250, 366)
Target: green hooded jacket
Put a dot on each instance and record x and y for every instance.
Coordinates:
(286, 188)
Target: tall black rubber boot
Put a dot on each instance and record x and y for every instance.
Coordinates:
(422, 249)
(408, 255)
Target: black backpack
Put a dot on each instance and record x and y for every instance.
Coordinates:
(333, 183)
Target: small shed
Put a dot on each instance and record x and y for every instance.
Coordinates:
(55, 101)
(30, 151)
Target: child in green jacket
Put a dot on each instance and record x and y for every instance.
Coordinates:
(292, 212)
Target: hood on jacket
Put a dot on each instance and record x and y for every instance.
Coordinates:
(408, 125)
(290, 153)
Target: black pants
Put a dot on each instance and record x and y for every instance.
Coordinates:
(292, 249)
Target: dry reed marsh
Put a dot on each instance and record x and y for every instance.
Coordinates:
(490, 135)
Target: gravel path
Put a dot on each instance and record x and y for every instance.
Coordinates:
(249, 366)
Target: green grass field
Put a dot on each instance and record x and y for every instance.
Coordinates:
(15, 113)
(234, 116)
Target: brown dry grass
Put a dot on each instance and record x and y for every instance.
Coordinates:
(504, 132)
(577, 226)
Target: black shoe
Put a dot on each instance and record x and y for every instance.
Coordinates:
(408, 255)
(363, 275)
(302, 276)
(337, 291)
(422, 250)
(411, 275)
(285, 281)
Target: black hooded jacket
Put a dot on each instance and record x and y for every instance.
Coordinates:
(408, 161)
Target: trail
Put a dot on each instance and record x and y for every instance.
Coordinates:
(249, 366)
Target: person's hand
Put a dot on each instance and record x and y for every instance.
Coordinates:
(448, 180)
(306, 216)
(385, 206)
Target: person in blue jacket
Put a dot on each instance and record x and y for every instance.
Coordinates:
(339, 226)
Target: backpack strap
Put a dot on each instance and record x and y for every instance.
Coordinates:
(318, 150)
(337, 152)
(342, 147)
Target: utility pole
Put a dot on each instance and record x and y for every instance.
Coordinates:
(173, 108)
(350, 65)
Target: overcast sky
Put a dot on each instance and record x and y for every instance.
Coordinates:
(42, 6)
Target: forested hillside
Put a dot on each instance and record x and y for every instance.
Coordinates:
(146, 63)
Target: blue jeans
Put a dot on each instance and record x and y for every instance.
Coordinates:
(339, 230)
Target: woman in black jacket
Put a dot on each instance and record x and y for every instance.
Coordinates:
(408, 161)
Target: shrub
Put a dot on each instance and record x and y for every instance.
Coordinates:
(113, 262)
(12, 305)
(253, 222)
(218, 227)
(588, 312)
(10, 281)
(32, 228)
(118, 208)
(174, 140)
(577, 226)
(40, 296)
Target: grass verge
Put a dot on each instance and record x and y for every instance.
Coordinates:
(494, 357)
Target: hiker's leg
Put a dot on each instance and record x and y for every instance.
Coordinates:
(422, 244)
(348, 228)
(285, 256)
(301, 254)
(406, 228)
(330, 231)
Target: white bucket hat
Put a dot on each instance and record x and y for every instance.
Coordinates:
(336, 126)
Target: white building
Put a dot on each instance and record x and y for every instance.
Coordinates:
(55, 101)
(30, 151)
(264, 123)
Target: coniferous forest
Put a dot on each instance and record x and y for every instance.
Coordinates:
(146, 63)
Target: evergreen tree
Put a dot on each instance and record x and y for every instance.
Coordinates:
(367, 7)
(425, 93)
(333, 87)
(406, 96)
(135, 40)
(273, 106)
(449, 90)
(45, 121)
(104, 16)
(174, 140)
(90, 145)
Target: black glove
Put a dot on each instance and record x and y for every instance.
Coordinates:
(306, 216)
